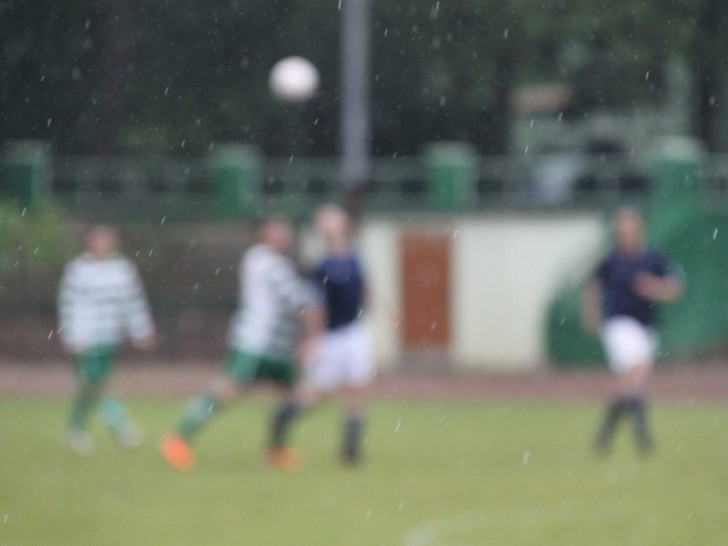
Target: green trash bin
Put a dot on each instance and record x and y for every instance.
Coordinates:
(237, 172)
(26, 172)
(451, 175)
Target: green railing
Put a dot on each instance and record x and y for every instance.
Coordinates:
(184, 189)
(234, 182)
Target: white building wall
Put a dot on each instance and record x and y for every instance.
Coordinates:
(379, 246)
(505, 270)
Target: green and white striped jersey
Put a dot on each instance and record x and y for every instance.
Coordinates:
(273, 299)
(102, 302)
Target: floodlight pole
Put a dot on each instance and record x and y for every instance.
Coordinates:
(355, 108)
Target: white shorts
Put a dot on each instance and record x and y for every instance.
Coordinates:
(628, 343)
(345, 359)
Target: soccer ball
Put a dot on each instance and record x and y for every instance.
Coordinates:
(294, 80)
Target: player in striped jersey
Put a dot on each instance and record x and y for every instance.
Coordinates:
(101, 302)
(278, 322)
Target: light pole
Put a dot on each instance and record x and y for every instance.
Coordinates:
(355, 122)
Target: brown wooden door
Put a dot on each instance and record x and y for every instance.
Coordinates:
(425, 266)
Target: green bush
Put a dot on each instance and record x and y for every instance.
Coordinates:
(32, 240)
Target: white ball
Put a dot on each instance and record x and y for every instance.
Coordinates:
(294, 79)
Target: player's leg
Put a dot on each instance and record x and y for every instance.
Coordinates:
(93, 368)
(616, 340)
(241, 369)
(292, 404)
(284, 373)
(633, 388)
(320, 377)
(358, 368)
(355, 397)
(630, 350)
(125, 431)
(97, 367)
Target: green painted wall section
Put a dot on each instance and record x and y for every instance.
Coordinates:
(694, 239)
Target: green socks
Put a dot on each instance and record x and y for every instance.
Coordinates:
(199, 411)
(112, 411)
(82, 406)
(115, 415)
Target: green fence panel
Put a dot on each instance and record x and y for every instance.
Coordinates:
(451, 174)
(25, 172)
(236, 171)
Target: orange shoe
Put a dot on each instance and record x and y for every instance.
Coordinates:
(285, 458)
(177, 451)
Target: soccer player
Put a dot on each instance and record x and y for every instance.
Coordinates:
(343, 361)
(101, 302)
(278, 323)
(620, 303)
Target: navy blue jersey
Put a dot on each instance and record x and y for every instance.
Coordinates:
(341, 283)
(617, 274)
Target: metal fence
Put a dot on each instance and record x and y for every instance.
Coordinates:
(182, 189)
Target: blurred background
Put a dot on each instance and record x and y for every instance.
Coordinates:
(498, 136)
(485, 144)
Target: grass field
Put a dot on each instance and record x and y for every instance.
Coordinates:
(437, 474)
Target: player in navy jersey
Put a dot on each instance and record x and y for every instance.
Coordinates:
(343, 361)
(620, 304)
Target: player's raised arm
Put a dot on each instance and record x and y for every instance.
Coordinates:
(314, 324)
(659, 288)
(140, 324)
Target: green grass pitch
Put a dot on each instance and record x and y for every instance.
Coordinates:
(437, 474)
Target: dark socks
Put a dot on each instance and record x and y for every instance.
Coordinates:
(286, 413)
(614, 413)
(637, 406)
(634, 406)
(353, 431)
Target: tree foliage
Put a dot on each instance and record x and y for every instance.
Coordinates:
(193, 72)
